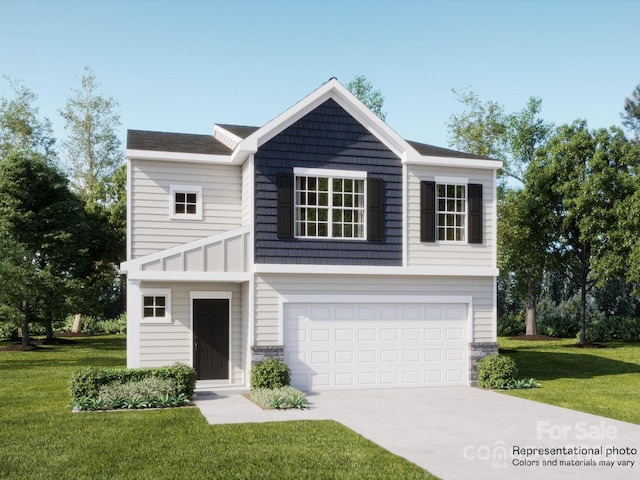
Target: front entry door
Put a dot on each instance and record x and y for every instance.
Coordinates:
(211, 338)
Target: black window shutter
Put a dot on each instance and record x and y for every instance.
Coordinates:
(285, 205)
(427, 211)
(374, 209)
(475, 212)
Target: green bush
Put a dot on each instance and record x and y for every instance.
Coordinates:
(151, 388)
(496, 371)
(86, 383)
(280, 398)
(626, 329)
(270, 374)
(511, 324)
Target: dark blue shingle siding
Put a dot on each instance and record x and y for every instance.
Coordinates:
(328, 137)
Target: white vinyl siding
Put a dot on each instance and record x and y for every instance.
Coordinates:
(167, 343)
(247, 193)
(450, 253)
(269, 287)
(152, 229)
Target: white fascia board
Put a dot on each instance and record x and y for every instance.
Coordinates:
(231, 140)
(433, 271)
(178, 156)
(390, 298)
(454, 162)
(169, 276)
(335, 90)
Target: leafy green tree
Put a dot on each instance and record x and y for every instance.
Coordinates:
(92, 149)
(20, 128)
(365, 92)
(480, 129)
(94, 153)
(581, 177)
(484, 129)
(42, 226)
(631, 114)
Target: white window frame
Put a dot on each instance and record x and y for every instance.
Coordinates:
(197, 189)
(156, 292)
(454, 182)
(330, 174)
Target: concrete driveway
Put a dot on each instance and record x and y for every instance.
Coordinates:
(462, 432)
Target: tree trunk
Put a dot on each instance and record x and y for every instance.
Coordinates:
(583, 314)
(48, 328)
(531, 328)
(77, 323)
(25, 323)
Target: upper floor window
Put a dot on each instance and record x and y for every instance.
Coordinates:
(451, 201)
(186, 202)
(451, 210)
(330, 204)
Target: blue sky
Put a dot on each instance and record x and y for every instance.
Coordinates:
(182, 66)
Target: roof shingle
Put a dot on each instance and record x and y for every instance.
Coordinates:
(175, 142)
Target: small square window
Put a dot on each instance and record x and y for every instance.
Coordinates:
(156, 306)
(186, 202)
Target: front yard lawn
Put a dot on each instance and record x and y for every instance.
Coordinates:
(41, 439)
(602, 381)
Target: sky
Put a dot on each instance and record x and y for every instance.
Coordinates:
(182, 66)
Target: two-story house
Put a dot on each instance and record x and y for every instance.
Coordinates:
(322, 238)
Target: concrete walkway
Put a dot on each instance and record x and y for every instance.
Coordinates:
(462, 432)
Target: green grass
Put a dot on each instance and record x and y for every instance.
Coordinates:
(602, 381)
(41, 439)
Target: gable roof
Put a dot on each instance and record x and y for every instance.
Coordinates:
(237, 142)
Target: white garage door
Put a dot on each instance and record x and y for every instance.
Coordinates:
(375, 345)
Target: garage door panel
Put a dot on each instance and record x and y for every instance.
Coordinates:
(365, 346)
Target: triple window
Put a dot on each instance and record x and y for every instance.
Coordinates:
(330, 204)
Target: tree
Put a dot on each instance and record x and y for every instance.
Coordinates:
(94, 153)
(480, 129)
(42, 226)
(20, 128)
(582, 177)
(484, 129)
(364, 91)
(631, 114)
(92, 150)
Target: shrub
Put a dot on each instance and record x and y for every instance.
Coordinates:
(88, 381)
(270, 374)
(626, 329)
(280, 398)
(151, 388)
(495, 371)
(511, 324)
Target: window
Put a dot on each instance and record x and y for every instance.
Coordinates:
(156, 306)
(451, 212)
(186, 202)
(329, 204)
(451, 209)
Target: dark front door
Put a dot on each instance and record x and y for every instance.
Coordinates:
(211, 338)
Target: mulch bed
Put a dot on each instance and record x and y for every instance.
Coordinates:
(544, 337)
(534, 337)
(58, 339)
